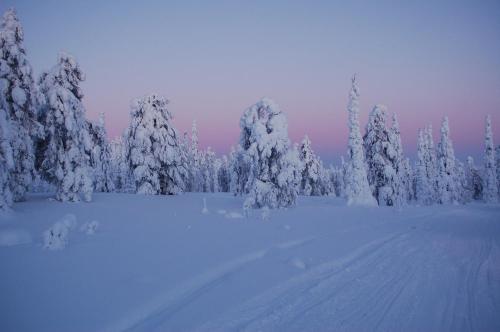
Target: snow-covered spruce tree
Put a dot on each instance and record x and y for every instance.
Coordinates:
(337, 179)
(295, 148)
(425, 172)
(233, 167)
(240, 170)
(274, 173)
(216, 165)
(6, 161)
(343, 177)
(498, 167)
(423, 186)
(185, 151)
(401, 179)
(447, 177)
(432, 161)
(310, 185)
(153, 153)
(100, 157)
(408, 177)
(195, 162)
(357, 189)
(224, 175)
(325, 179)
(473, 182)
(460, 180)
(117, 163)
(490, 191)
(379, 154)
(124, 180)
(67, 143)
(18, 97)
(209, 169)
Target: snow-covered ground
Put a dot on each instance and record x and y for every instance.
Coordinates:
(164, 263)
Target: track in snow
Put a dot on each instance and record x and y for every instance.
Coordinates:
(408, 281)
(161, 309)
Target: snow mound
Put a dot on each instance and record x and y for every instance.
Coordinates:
(14, 237)
(222, 211)
(56, 237)
(69, 220)
(365, 199)
(234, 215)
(90, 228)
(204, 210)
(266, 213)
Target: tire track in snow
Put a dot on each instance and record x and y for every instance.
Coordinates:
(159, 310)
(473, 280)
(491, 265)
(284, 299)
(379, 301)
(331, 283)
(385, 285)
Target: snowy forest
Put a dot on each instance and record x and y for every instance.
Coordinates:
(48, 145)
(111, 222)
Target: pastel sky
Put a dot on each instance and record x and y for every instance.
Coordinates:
(212, 59)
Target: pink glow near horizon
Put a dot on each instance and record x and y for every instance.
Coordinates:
(325, 122)
(213, 59)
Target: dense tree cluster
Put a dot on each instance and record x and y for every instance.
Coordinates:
(46, 141)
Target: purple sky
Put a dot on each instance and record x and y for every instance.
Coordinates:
(423, 59)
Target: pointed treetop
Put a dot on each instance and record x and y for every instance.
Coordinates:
(488, 123)
(10, 23)
(306, 139)
(489, 134)
(194, 133)
(100, 121)
(354, 87)
(67, 73)
(445, 126)
(395, 122)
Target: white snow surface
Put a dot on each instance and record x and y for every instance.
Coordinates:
(157, 264)
(14, 237)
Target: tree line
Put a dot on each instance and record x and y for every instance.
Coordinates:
(48, 144)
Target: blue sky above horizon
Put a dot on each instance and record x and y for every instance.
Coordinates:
(212, 59)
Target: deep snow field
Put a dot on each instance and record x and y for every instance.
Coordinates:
(162, 263)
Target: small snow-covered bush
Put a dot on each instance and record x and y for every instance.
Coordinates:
(56, 237)
(90, 228)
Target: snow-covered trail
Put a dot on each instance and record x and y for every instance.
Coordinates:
(160, 264)
(418, 279)
(408, 281)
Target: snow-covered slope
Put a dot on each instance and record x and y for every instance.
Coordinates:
(164, 263)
